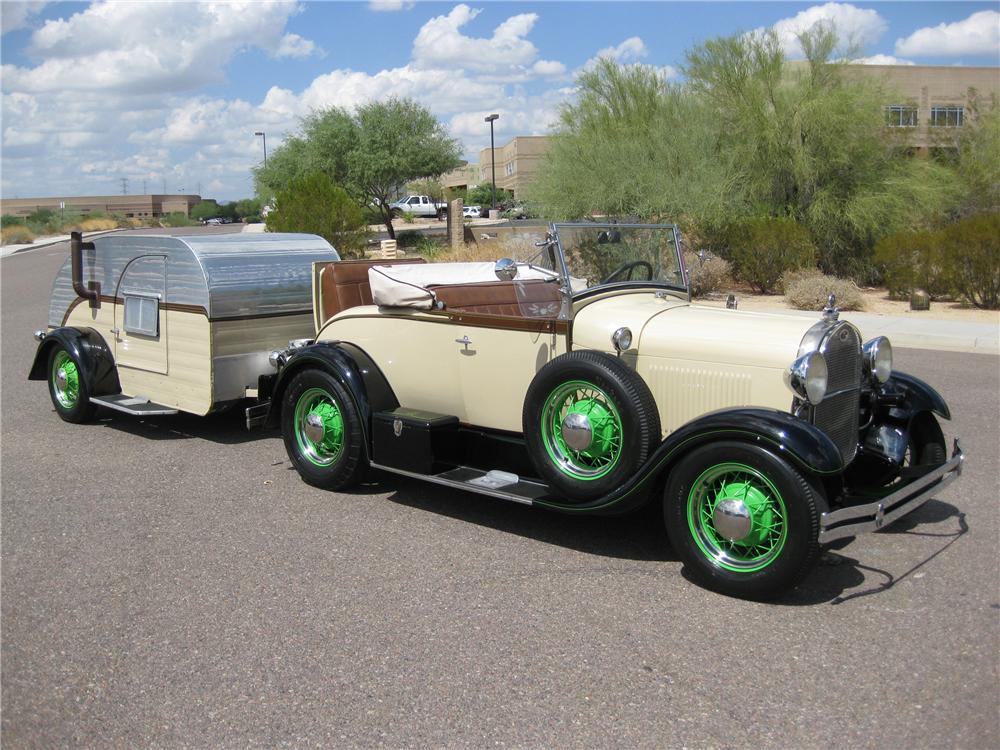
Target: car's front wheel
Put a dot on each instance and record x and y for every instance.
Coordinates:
(322, 431)
(743, 521)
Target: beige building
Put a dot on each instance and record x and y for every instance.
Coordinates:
(129, 205)
(517, 162)
(933, 101)
(461, 178)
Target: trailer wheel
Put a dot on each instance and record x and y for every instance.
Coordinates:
(589, 423)
(743, 521)
(321, 428)
(68, 388)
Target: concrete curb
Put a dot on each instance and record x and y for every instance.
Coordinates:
(42, 242)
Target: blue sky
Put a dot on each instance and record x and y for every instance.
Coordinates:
(171, 93)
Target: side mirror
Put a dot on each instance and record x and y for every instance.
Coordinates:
(505, 269)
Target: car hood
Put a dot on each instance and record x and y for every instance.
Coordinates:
(670, 328)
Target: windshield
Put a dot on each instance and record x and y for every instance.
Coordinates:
(599, 254)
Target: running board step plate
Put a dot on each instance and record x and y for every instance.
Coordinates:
(136, 405)
(493, 483)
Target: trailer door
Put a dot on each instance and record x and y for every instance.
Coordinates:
(140, 317)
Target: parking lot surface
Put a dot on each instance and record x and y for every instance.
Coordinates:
(171, 582)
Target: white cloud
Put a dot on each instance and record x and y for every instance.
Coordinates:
(979, 34)
(441, 44)
(389, 6)
(880, 60)
(630, 50)
(164, 47)
(15, 14)
(852, 25)
(293, 45)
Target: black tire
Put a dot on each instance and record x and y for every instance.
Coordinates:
(625, 429)
(773, 508)
(337, 458)
(926, 446)
(68, 387)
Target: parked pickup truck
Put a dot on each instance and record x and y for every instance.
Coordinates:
(421, 205)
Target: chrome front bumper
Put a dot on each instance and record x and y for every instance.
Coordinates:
(881, 513)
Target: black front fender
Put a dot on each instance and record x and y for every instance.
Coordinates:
(914, 395)
(88, 347)
(799, 442)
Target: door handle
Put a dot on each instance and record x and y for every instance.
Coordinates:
(116, 331)
(464, 341)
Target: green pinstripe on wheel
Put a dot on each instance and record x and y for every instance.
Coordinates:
(578, 397)
(319, 427)
(753, 495)
(65, 380)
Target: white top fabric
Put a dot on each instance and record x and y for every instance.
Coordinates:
(407, 285)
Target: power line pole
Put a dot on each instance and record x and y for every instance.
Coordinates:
(124, 181)
(143, 187)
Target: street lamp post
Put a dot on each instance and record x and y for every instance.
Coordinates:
(263, 135)
(493, 158)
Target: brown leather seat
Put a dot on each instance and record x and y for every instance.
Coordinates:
(522, 299)
(344, 283)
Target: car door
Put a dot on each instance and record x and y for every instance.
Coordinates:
(140, 320)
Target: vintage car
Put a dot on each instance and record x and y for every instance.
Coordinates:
(155, 324)
(579, 378)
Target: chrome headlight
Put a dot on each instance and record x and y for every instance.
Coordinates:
(622, 339)
(878, 358)
(807, 377)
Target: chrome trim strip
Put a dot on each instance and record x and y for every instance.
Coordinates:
(457, 485)
(892, 507)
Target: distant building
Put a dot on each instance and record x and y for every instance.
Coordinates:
(517, 162)
(933, 101)
(461, 178)
(140, 206)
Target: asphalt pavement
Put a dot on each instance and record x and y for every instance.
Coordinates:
(171, 582)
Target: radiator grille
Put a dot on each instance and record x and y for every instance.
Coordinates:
(837, 415)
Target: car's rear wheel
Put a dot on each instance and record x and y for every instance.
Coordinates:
(322, 431)
(743, 521)
(589, 422)
(68, 387)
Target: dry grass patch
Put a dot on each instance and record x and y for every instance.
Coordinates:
(16, 234)
(810, 292)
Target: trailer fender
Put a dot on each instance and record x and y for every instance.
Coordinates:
(88, 347)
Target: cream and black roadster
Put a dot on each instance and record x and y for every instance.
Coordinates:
(580, 378)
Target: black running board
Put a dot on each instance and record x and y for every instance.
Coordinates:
(138, 406)
(494, 484)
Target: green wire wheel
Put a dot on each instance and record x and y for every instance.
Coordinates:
(68, 387)
(744, 520)
(321, 428)
(589, 422)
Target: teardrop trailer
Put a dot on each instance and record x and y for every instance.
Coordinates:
(580, 379)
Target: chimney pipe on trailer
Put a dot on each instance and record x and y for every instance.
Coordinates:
(92, 291)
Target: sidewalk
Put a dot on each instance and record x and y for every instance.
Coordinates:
(919, 333)
(46, 241)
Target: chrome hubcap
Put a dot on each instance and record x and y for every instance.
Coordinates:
(61, 378)
(577, 432)
(732, 519)
(314, 429)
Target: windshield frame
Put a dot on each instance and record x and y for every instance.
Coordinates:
(637, 284)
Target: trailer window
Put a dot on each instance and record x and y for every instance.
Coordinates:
(142, 315)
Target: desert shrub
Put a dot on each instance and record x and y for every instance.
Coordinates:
(407, 239)
(7, 220)
(408, 216)
(16, 234)
(709, 275)
(429, 248)
(97, 225)
(913, 260)
(177, 219)
(761, 250)
(972, 250)
(312, 203)
(788, 278)
(812, 292)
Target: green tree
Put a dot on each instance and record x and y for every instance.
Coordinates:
(482, 195)
(977, 162)
(313, 204)
(204, 210)
(247, 208)
(371, 152)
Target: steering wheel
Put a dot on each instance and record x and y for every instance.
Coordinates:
(629, 267)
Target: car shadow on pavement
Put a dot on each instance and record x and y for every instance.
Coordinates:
(837, 573)
(225, 427)
(637, 536)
